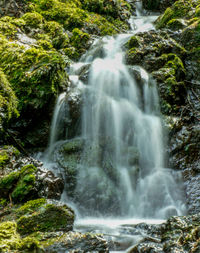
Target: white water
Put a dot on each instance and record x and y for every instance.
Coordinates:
(125, 176)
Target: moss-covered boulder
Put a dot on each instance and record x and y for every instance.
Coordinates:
(46, 218)
(29, 182)
(181, 9)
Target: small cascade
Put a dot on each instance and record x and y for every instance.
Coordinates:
(122, 170)
(58, 130)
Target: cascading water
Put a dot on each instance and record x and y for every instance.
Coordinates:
(122, 168)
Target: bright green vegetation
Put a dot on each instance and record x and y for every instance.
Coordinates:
(19, 185)
(8, 102)
(32, 73)
(49, 218)
(180, 9)
(35, 74)
(30, 207)
(10, 240)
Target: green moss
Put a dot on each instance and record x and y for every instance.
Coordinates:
(33, 19)
(66, 13)
(8, 183)
(180, 9)
(133, 42)
(4, 158)
(100, 25)
(25, 185)
(35, 74)
(6, 27)
(176, 64)
(19, 185)
(46, 45)
(165, 18)
(30, 207)
(7, 153)
(8, 100)
(9, 239)
(176, 24)
(50, 218)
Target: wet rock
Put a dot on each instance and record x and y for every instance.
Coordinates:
(161, 55)
(26, 179)
(184, 150)
(78, 242)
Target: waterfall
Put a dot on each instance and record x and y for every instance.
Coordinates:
(122, 171)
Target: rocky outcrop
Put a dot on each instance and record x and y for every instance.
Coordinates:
(178, 234)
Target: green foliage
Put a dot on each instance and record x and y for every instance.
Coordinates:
(49, 218)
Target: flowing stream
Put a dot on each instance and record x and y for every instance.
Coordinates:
(122, 176)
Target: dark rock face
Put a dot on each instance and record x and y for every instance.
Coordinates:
(157, 5)
(185, 153)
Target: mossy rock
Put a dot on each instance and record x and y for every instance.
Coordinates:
(33, 19)
(107, 7)
(134, 42)
(19, 185)
(180, 9)
(25, 187)
(176, 24)
(30, 207)
(7, 155)
(36, 75)
(191, 35)
(48, 218)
